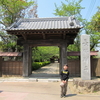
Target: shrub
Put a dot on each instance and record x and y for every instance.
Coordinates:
(37, 65)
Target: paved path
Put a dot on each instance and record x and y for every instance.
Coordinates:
(37, 91)
(51, 70)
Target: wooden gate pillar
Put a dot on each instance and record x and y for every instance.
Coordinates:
(63, 55)
(30, 60)
(0, 66)
(27, 60)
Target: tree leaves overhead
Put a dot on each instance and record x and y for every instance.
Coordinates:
(95, 21)
(11, 10)
(71, 7)
(93, 29)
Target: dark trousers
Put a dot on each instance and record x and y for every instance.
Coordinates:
(64, 89)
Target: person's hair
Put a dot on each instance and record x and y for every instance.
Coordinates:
(66, 65)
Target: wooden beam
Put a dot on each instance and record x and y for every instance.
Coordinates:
(24, 36)
(50, 42)
(64, 36)
(51, 31)
(44, 37)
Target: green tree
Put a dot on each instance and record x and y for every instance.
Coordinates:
(44, 53)
(10, 11)
(94, 36)
(93, 29)
(70, 8)
(95, 21)
(73, 7)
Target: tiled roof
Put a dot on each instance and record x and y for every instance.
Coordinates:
(4, 54)
(45, 23)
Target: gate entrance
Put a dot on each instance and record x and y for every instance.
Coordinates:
(48, 57)
(44, 32)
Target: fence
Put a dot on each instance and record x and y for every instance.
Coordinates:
(14, 68)
(11, 68)
(95, 67)
(75, 69)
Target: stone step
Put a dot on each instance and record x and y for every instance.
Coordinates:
(38, 79)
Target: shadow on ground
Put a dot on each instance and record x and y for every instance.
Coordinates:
(1, 91)
(70, 95)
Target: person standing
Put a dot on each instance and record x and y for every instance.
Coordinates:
(64, 80)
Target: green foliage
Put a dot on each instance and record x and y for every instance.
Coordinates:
(92, 29)
(37, 65)
(9, 44)
(44, 53)
(10, 10)
(71, 7)
(95, 21)
(1, 45)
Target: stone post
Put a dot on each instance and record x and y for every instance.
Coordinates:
(85, 57)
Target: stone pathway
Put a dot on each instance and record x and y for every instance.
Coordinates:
(51, 70)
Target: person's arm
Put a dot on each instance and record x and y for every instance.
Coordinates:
(68, 74)
(61, 75)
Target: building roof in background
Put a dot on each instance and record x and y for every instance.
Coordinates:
(45, 24)
(5, 54)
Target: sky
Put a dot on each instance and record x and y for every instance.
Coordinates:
(46, 7)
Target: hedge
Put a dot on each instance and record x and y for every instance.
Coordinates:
(37, 65)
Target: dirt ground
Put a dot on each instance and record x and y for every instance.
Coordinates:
(38, 91)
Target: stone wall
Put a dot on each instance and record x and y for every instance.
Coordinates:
(85, 86)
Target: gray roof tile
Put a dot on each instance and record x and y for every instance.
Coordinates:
(45, 23)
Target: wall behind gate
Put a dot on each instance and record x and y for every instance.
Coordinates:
(95, 67)
(12, 68)
(75, 69)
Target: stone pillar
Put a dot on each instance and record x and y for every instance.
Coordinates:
(85, 57)
(26, 61)
(63, 55)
